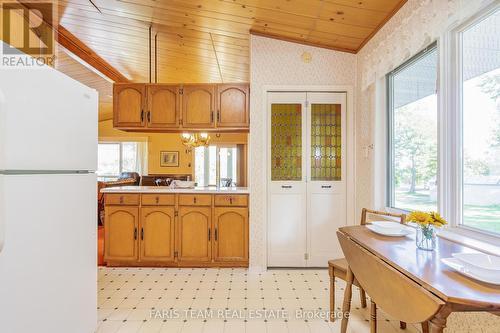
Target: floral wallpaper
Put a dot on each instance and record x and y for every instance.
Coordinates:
(275, 62)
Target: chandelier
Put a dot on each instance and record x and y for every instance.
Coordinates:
(193, 140)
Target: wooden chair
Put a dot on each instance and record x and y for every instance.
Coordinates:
(337, 268)
(389, 289)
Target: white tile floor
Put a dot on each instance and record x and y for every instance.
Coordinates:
(223, 300)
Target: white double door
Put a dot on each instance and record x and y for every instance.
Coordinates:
(307, 172)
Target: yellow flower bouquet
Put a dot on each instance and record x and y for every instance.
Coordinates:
(427, 222)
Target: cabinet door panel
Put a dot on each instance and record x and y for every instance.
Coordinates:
(120, 233)
(163, 106)
(231, 234)
(232, 105)
(198, 103)
(194, 234)
(128, 105)
(157, 234)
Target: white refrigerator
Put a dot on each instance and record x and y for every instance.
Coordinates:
(48, 223)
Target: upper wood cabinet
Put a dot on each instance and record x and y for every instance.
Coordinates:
(163, 106)
(120, 233)
(157, 234)
(194, 234)
(233, 105)
(176, 108)
(128, 105)
(198, 104)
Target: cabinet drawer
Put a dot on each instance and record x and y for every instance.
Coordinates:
(121, 199)
(231, 200)
(195, 200)
(158, 199)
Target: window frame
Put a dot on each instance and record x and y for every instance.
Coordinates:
(389, 81)
(218, 146)
(456, 137)
(120, 157)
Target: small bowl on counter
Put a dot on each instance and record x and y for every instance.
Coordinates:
(184, 184)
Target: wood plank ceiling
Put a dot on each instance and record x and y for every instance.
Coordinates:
(208, 40)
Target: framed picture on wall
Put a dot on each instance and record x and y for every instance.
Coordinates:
(169, 158)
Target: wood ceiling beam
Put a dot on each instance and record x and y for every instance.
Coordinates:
(71, 43)
(300, 41)
(82, 51)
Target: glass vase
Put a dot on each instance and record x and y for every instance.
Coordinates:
(426, 237)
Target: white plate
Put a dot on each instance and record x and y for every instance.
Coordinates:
(480, 263)
(393, 232)
(461, 268)
(480, 260)
(387, 225)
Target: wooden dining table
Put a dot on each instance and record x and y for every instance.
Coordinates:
(424, 269)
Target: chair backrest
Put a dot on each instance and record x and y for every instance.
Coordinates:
(368, 215)
(394, 293)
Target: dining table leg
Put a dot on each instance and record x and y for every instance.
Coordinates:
(425, 327)
(346, 306)
(362, 296)
(332, 294)
(373, 317)
(438, 323)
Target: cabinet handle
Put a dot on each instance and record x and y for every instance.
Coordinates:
(326, 186)
(208, 234)
(231, 200)
(135, 233)
(218, 115)
(215, 235)
(142, 233)
(142, 116)
(149, 117)
(194, 200)
(157, 199)
(121, 199)
(286, 186)
(211, 116)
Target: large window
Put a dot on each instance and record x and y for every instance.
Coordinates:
(413, 152)
(116, 157)
(216, 165)
(480, 99)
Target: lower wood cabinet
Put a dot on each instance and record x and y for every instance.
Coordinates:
(157, 235)
(194, 234)
(183, 230)
(121, 225)
(230, 234)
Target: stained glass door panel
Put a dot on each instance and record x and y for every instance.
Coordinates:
(326, 142)
(286, 142)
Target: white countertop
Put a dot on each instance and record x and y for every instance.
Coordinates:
(167, 189)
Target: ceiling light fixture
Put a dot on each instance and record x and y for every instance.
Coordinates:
(193, 140)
